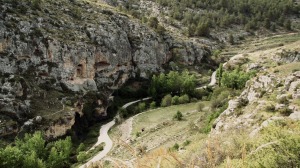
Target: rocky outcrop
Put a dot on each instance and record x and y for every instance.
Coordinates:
(262, 93)
(79, 48)
(287, 56)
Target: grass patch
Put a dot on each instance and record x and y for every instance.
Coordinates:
(287, 69)
(154, 117)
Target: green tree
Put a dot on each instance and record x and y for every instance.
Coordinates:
(11, 157)
(33, 143)
(60, 153)
(188, 83)
(32, 160)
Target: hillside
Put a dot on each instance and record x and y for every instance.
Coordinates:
(87, 47)
(176, 82)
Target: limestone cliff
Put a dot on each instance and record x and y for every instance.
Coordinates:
(54, 52)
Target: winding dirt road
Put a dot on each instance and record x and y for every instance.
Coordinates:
(213, 81)
(103, 137)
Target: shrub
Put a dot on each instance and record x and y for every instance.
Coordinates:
(270, 108)
(175, 100)
(142, 106)
(153, 105)
(216, 103)
(283, 100)
(231, 39)
(200, 106)
(138, 134)
(186, 143)
(37, 4)
(123, 112)
(285, 111)
(175, 146)
(243, 102)
(184, 99)
(193, 126)
(178, 116)
(81, 157)
(166, 101)
(200, 93)
(141, 149)
(80, 148)
(153, 22)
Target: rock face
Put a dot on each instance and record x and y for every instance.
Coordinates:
(262, 92)
(79, 48)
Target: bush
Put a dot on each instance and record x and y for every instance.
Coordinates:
(200, 93)
(138, 134)
(193, 126)
(123, 112)
(153, 22)
(175, 146)
(186, 143)
(81, 157)
(216, 103)
(178, 116)
(37, 4)
(80, 148)
(184, 99)
(285, 111)
(175, 100)
(141, 149)
(200, 106)
(243, 103)
(142, 106)
(193, 100)
(283, 100)
(153, 105)
(166, 101)
(270, 108)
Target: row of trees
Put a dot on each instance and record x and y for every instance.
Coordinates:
(32, 151)
(173, 82)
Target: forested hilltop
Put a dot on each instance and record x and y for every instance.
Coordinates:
(198, 17)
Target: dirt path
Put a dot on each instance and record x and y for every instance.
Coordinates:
(213, 80)
(104, 138)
